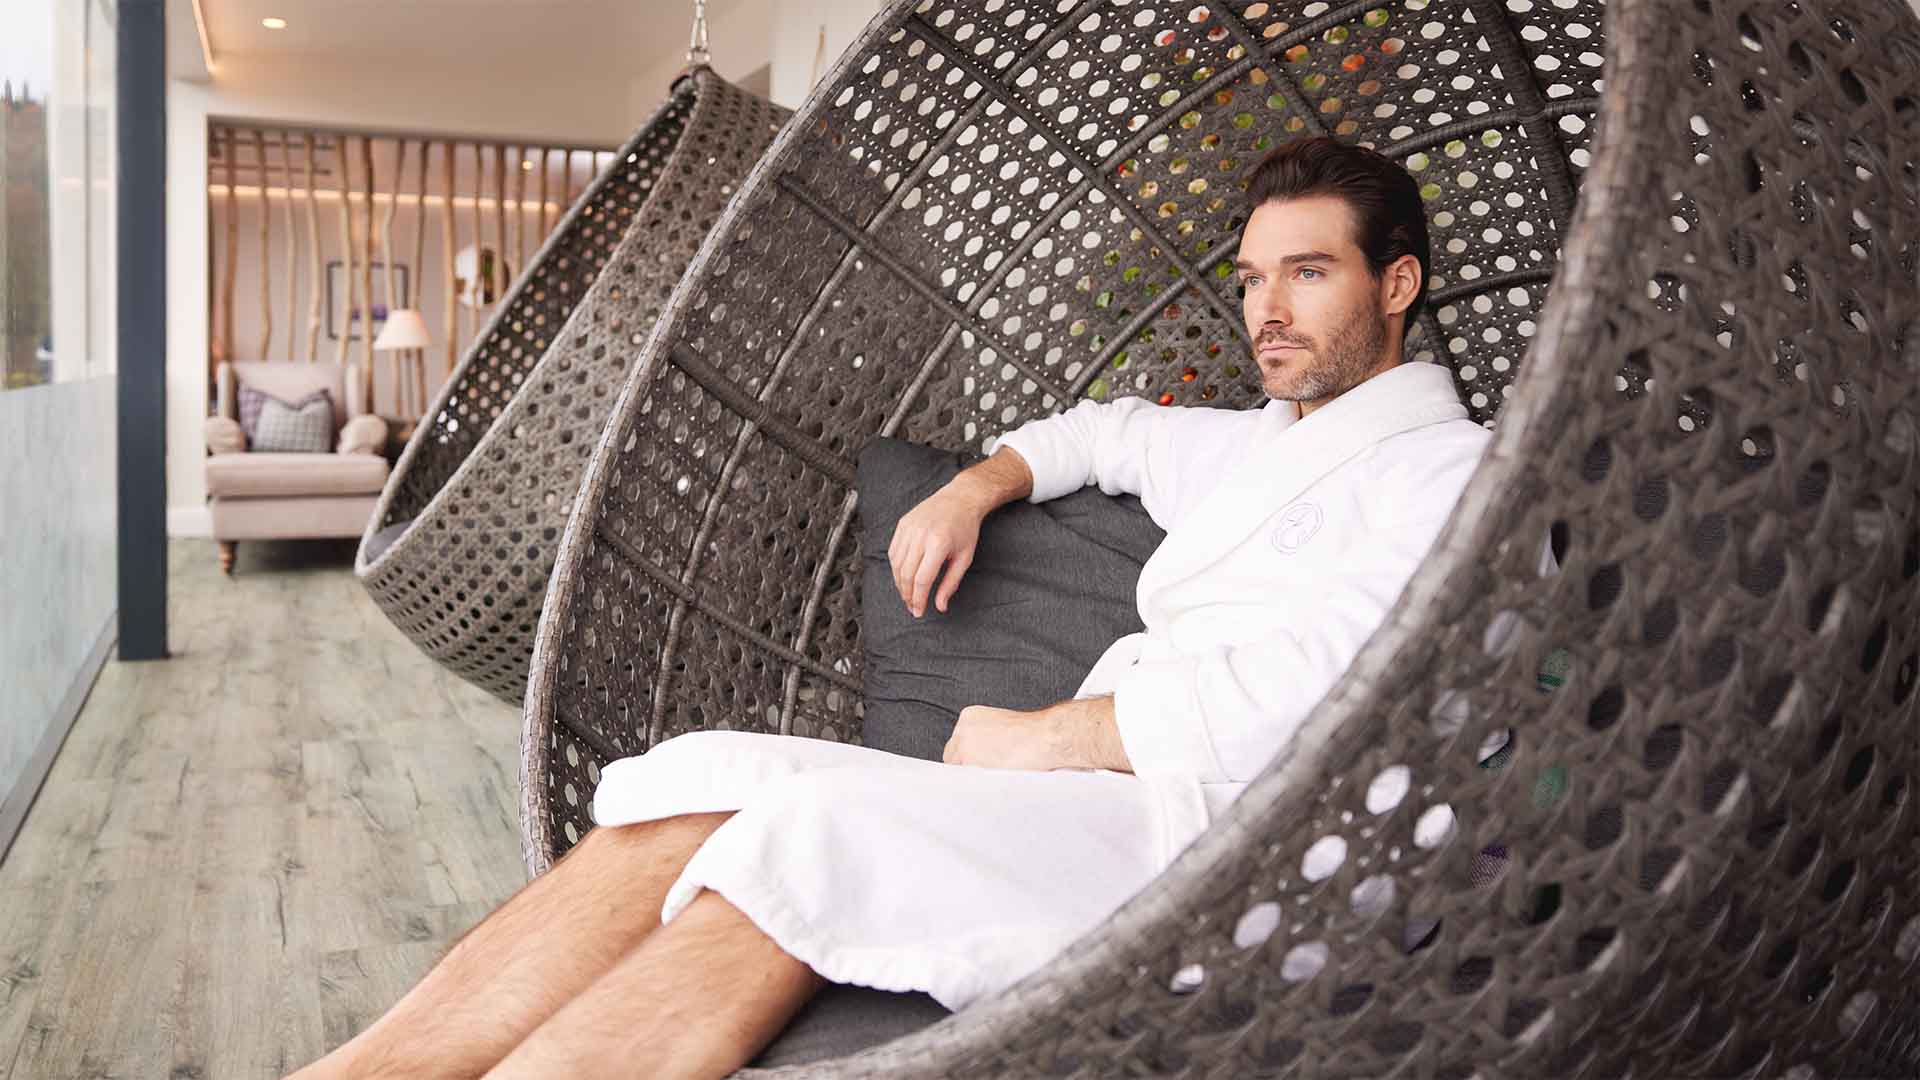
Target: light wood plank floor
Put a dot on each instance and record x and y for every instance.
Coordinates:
(247, 852)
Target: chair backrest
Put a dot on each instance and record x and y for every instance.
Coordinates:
(291, 381)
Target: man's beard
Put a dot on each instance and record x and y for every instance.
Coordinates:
(1346, 361)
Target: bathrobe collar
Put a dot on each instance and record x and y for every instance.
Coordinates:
(1288, 454)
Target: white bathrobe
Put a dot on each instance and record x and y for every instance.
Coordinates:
(1287, 541)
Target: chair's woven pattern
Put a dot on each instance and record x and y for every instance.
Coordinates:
(1690, 849)
(488, 482)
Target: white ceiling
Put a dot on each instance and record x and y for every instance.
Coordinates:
(509, 35)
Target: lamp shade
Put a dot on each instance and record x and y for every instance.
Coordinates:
(404, 329)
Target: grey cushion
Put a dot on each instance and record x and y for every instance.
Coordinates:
(379, 542)
(1051, 586)
(843, 1020)
(253, 401)
(306, 429)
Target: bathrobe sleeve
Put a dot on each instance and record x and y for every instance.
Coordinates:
(1124, 446)
(1221, 715)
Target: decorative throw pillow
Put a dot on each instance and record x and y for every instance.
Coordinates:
(285, 429)
(252, 401)
(1051, 586)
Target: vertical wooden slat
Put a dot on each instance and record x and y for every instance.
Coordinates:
(344, 160)
(214, 348)
(476, 289)
(546, 222)
(386, 222)
(519, 207)
(500, 220)
(225, 349)
(366, 275)
(293, 247)
(266, 249)
(386, 257)
(418, 358)
(316, 266)
(448, 225)
(566, 181)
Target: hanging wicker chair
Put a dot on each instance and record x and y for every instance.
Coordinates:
(1696, 854)
(461, 545)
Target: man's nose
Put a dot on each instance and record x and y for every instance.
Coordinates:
(1270, 309)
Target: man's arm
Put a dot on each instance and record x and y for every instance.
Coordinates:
(1077, 734)
(1103, 443)
(1107, 444)
(995, 482)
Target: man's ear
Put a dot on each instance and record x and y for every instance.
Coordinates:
(1401, 282)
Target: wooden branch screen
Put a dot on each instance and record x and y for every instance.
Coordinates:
(314, 235)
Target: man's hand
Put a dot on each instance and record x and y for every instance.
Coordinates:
(1078, 734)
(944, 530)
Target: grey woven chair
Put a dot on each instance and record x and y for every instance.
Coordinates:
(459, 550)
(1694, 853)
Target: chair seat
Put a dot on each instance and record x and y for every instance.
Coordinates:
(273, 475)
(844, 1020)
(377, 544)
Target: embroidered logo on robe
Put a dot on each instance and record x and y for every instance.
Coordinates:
(1298, 524)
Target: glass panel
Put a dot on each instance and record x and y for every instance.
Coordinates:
(26, 272)
(56, 190)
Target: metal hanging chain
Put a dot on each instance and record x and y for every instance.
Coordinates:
(698, 54)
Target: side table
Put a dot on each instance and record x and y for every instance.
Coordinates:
(399, 431)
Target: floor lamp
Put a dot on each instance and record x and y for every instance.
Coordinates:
(404, 330)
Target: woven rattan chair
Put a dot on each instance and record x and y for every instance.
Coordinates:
(1696, 855)
(459, 551)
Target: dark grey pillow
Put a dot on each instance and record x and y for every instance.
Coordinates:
(1051, 586)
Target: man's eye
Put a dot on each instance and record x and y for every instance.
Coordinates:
(1308, 273)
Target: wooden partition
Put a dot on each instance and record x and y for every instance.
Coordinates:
(315, 234)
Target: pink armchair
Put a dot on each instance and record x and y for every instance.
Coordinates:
(278, 496)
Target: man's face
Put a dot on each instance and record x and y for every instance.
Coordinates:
(1313, 310)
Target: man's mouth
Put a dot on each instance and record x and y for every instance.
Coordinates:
(1266, 347)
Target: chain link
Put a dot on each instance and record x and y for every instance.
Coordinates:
(698, 55)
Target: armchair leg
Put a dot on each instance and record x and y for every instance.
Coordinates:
(226, 556)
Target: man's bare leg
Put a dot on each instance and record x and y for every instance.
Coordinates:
(697, 999)
(528, 959)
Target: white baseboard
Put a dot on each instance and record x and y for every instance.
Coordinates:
(194, 521)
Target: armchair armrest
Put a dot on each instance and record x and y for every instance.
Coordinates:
(363, 434)
(224, 435)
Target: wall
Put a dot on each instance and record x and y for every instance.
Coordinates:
(553, 101)
(56, 554)
(797, 57)
(57, 440)
(781, 34)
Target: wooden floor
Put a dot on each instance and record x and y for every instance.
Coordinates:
(245, 853)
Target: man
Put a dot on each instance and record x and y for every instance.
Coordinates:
(733, 874)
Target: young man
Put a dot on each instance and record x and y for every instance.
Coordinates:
(733, 874)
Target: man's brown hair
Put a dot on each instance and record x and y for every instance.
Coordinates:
(1387, 208)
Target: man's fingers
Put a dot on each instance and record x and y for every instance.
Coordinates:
(960, 564)
(903, 569)
(930, 562)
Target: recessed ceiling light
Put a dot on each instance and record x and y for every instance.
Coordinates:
(274, 22)
(527, 165)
